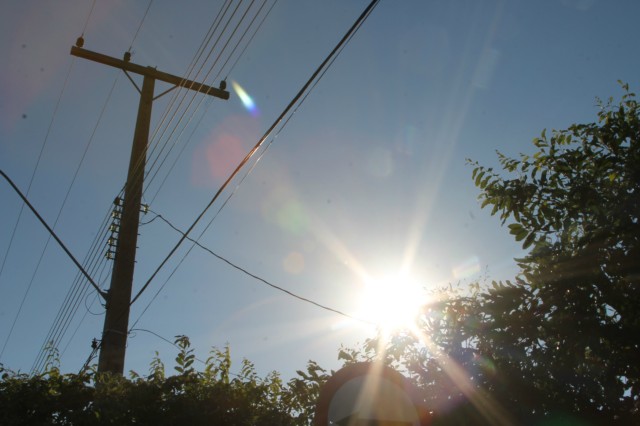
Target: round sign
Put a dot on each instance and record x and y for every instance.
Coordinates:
(368, 394)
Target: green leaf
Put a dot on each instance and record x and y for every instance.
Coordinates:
(529, 240)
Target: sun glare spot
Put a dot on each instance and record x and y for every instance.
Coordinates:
(246, 100)
(392, 302)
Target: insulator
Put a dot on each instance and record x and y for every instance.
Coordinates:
(223, 85)
(112, 241)
(80, 41)
(117, 201)
(116, 214)
(127, 56)
(144, 208)
(114, 228)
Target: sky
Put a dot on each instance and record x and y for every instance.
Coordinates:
(368, 178)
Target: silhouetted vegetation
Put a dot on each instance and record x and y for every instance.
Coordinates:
(213, 396)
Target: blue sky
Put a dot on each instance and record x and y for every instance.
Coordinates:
(368, 176)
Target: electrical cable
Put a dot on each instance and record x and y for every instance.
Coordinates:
(251, 39)
(262, 280)
(367, 11)
(55, 223)
(71, 303)
(35, 169)
(70, 306)
(182, 93)
(95, 261)
(151, 179)
(195, 95)
(138, 167)
(66, 250)
(189, 138)
(86, 22)
(140, 26)
(356, 25)
(121, 193)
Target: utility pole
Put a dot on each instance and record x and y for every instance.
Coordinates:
(116, 322)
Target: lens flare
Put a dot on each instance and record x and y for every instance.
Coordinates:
(393, 302)
(246, 100)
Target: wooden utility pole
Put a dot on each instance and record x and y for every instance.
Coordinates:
(116, 322)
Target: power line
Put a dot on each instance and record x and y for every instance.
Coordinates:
(252, 37)
(66, 250)
(86, 22)
(262, 280)
(94, 260)
(77, 292)
(260, 142)
(140, 26)
(68, 309)
(71, 303)
(35, 169)
(179, 155)
(55, 223)
(206, 76)
(31, 182)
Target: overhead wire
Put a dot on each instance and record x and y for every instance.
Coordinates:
(95, 262)
(182, 93)
(264, 18)
(72, 300)
(256, 277)
(35, 169)
(57, 219)
(71, 303)
(44, 143)
(195, 95)
(257, 146)
(248, 172)
(260, 143)
(86, 22)
(51, 231)
(178, 99)
(184, 145)
(140, 26)
(201, 50)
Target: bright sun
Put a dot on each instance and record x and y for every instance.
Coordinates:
(391, 302)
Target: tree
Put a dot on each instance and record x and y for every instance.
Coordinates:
(562, 341)
(209, 397)
(576, 203)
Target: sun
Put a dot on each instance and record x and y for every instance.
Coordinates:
(392, 302)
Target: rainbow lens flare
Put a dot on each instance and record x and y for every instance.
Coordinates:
(245, 99)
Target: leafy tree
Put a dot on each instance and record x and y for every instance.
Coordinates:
(573, 312)
(211, 397)
(562, 341)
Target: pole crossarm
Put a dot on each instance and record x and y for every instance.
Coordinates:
(149, 72)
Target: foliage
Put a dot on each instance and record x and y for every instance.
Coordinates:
(213, 396)
(561, 342)
(576, 202)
